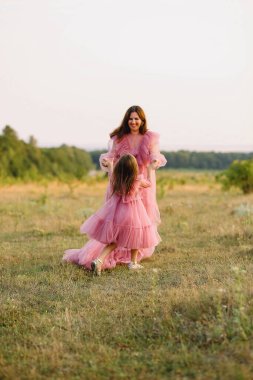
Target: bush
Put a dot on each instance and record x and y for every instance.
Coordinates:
(239, 174)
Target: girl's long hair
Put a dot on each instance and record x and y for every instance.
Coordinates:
(124, 129)
(124, 174)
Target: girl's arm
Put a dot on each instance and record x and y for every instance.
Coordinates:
(146, 182)
(110, 167)
(149, 169)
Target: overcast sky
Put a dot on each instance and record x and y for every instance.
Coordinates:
(69, 69)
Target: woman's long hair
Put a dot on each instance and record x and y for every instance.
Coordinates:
(124, 174)
(124, 129)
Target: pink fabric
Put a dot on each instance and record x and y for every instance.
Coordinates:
(145, 153)
(92, 249)
(123, 220)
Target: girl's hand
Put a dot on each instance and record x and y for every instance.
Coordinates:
(105, 162)
(154, 164)
(110, 165)
(145, 183)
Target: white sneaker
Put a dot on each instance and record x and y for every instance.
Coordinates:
(134, 266)
(96, 266)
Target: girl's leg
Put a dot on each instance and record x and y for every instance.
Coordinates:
(133, 263)
(96, 265)
(107, 249)
(134, 253)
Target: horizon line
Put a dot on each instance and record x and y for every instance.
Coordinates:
(172, 148)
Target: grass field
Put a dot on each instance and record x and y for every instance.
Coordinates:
(187, 315)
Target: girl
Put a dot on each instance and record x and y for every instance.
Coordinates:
(123, 220)
(132, 136)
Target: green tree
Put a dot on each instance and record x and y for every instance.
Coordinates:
(19, 159)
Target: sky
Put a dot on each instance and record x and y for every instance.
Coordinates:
(69, 70)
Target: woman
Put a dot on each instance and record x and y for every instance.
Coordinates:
(132, 136)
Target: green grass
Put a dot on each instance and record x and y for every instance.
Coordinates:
(187, 315)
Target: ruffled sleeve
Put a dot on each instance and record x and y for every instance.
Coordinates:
(155, 156)
(109, 156)
(150, 150)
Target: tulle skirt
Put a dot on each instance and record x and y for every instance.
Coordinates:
(124, 223)
(134, 225)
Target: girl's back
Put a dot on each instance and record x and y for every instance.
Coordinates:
(123, 218)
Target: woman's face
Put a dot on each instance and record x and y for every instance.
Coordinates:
(134, 122)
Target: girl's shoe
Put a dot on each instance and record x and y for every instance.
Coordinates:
(134, 266)
(96, 266)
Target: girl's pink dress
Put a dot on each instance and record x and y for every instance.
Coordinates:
(145, 153)
(123, 220)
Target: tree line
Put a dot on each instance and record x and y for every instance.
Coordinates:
(25, 160)
(184, 159)
(19, 159)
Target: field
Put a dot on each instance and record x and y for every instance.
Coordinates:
(187, 315)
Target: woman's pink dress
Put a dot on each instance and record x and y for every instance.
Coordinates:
(146, 152)
(123, 220)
